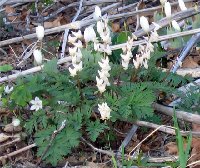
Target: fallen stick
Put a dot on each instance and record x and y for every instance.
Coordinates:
(115, 47)
(166, 129)
(79, 24)
(17, 152)
(186, 116)
(193, 72)
(91, 2)
(184, 89)
(162, 128)
(32, 70)
(111, 153)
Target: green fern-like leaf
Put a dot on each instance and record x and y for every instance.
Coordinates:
(67, 139)
(37, 120)
(21, 95)
(95, 128)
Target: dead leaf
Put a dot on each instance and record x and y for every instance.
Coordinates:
(189, 63)
(55, 23)
(11, 129)
(171, 148)
(10, 10)
(94, 165)
(116, 27)
(3, 137)
(195, 153)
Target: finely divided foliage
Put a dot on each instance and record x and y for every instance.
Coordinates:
(93, 92)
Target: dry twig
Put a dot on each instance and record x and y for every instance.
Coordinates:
(186, 116)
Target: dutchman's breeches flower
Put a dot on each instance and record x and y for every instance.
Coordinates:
(38, 57)
(144, 24)
(102, 80)
(40, 32)
(168, 9)
(104, 111)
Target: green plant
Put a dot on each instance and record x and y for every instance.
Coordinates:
(73, 95)
(183, 153)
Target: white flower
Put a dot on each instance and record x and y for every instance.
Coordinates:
(96, 46)
(106, 38)
(72, 51)
(105, 48)
(104, 76)
(78, 34)
(71, 39)
(176, 25)
(38, 56)
(125, 64)
(163, 2)
(144, 23)
(78, 44)
(40, 32)
(89, 34)
(168, 12)
(101, 85)
(182, 5)
(129, 44)
(104, 64)
(100, 27)
(97, 13)
(145, 64)
(104, 111)
(79, 66)
(154, 36)
(15, 122)
(73, 72)
(36, 104)
(7, 90)
(157, 26)
(150, 46)
(138, 61)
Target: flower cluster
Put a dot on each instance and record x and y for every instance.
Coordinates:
(168, 12)
(75, 52)
(104, 111)
(104, 33)
(102, 44)
(127, 54)
(102, 80)
(37, 52)
(144, 55)
(145, 50)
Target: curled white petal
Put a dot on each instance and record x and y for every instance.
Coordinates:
(182, 5)
(78, 44)
(163, 2)
(72, 39)
(38, 56)
(89, 34)
(73, 72)
(104, 111)
(72, 51)
(168, 9)
(176, 25)
(40, 32)
(78, 34)
(144, 23)
(97, 13)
